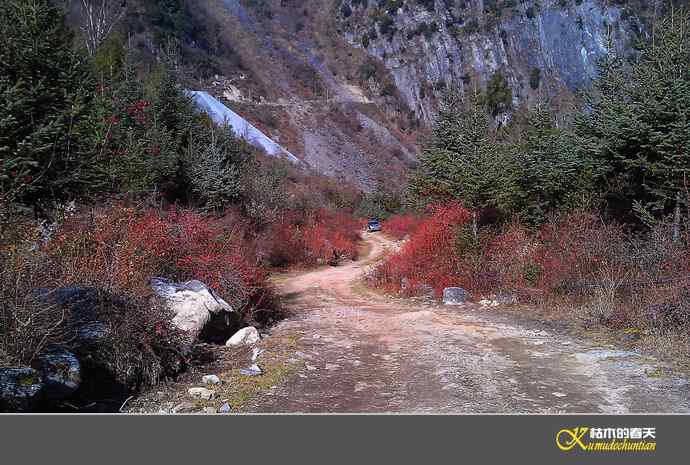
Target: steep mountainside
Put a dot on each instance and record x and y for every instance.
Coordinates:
(546, 47)
(351, 86)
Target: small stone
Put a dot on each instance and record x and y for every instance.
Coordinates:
(211, 379)
(210, 410)
(454, 296)
(61, 372)
(201, 393)
(20, 389)
(184, 407)
(253, 370)
(507, 298)
(256, 352)
(225, 408)
(426, 290)
(245, 336)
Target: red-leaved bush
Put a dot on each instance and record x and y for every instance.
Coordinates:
(572, 253)
(430, 257)
(400, 226)
(323, 236)
(120, 248)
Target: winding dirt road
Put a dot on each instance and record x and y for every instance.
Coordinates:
(361, 352)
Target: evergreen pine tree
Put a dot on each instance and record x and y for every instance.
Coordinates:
(462, 160)
(547, 173)
(638, 128)
(45, 89)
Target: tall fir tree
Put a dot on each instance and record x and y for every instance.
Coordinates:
(546, 173)
(638, 126)
(45, 89)
(462, 159)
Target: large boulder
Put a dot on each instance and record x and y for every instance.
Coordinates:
(244, 337)
(61, 372)
(20, 389)
(454, 296)
(197, 308)
(83, 303)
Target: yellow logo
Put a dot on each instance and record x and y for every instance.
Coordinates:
(596, 439)
(567, 439)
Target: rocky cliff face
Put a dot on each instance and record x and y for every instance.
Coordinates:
(349, 86)
(545, 47)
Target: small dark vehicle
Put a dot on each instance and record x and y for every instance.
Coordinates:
(373, 226)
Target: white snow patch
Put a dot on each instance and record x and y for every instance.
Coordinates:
(221, 115)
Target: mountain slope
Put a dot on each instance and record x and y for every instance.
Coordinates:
(351, 87)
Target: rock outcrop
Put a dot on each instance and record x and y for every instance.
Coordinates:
(61, 372)
(541, 47)
(198, 309)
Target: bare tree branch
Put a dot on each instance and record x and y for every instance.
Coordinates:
(99, 18)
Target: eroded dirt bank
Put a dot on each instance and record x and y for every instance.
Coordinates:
(355, 351)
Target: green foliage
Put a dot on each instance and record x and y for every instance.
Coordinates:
(538, 173)
(638, 129)
(110, 57)
(45, 89)
(215, 165)
(142, 132)
(535, 78)
(379, 204)
(547, 173)
(531, 273)
(427, 4)
(498, 97)
(263, 192)
(461, 160)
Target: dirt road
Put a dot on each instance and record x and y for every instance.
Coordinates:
(361, 352)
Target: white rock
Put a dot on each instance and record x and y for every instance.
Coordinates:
(210, 379)
(193, 304)
(245, 336)
(201, 393)
(256, 352)
(254, 370)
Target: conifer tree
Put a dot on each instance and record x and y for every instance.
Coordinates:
(546, 173)
(45, 90)
(638, 126)
(462, 160)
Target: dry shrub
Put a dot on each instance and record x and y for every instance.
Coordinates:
(120, 248)
(400, 226)
(111, 254)
(27, 326)
(140, 346)
(305, 240)
(430, 257)
(608, 275)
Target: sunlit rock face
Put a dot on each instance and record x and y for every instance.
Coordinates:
(464, 43)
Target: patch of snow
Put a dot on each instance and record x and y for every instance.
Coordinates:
(222, 115)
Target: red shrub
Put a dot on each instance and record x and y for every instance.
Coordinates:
(121, 249)
(322, 236)
(563, 254)
(400, 226)
(430, 257)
